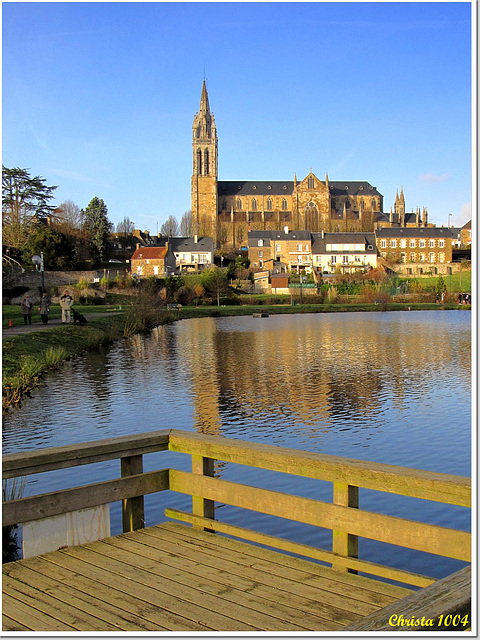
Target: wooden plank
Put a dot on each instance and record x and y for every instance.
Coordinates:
(114, 559)
(132, 609)
(365, 566)
(50, 605)
(157, 595)
(343, 543)
(76, 592)
(133, 510)
(92, 495)
(428, 609)
(238, 576)
(8, 624)
(406, 533)
(370, 475)
(292, 575)
(302, 570)
(29, 616)
(236, 603)
(51, 458)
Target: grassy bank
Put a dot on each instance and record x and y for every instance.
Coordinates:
(26, 357)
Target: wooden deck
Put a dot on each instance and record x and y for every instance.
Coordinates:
(172, 577)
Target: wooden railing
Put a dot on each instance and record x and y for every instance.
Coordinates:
(343, 516)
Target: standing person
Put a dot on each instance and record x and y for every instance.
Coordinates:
(66, 302)
(44, 307)
(27, 306)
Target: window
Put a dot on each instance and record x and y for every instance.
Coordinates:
(422, 257)
(311, 182)
(403, 243)
(384, 244)
(260, 254)
(260, 243)
(441, 243)
(269, 204)
(199, 162)
(412, 244)
(393, 243)
(412, 257)
(347, 203)
(284, 205)
(206, 163)
(403, 256)
(239, 204)
(299, 259)
(278, 248)
(345, 259)
(357, 258)
(224, 205)
(139, 270)
(432, 256)
(254, 204)
(441, 257)
(147, 261)
(334, 259)
(431, 243)
(422, 244)
(299, 247)
(155, 270)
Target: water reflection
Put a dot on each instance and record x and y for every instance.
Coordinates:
(385, 387)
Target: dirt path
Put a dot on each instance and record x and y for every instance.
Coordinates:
(57, 322)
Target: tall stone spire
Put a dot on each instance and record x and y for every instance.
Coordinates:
(204, 105)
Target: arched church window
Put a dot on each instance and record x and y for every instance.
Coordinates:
(254, 204)
(374, 205)
(347, 203)
(199, 162)
(311, 182)
(239, 204)
(269, 204)
(284, 205)
(224, 205)
(206, 161)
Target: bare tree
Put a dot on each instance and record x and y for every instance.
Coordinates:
(186, 224)
(170, 227)
(70, 215)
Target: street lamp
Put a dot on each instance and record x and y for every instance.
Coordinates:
(38, 262)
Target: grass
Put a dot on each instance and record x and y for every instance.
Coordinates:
(456, 283)
(27, 356)
(13, 312)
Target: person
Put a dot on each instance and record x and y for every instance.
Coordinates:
(66, 302)
(44, 307)
(27, 306)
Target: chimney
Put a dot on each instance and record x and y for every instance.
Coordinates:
(323, 233)
(137, 246)
(285, 229)
(195, 238)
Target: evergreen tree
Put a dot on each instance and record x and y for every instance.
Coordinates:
(98, 228)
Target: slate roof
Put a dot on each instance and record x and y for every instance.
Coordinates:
(319, 244)
(188, 245)
(269, 237)
(418, 232)
(285, 187)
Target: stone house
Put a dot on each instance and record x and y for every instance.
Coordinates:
(151, 261)
(343, 252)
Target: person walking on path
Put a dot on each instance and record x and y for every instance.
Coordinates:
(66, 302)
(44, 307)
(27, 306)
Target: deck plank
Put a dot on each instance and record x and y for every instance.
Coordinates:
(175, 578)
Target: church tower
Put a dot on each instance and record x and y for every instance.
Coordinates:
(205, 170)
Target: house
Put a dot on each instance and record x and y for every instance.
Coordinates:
(152, 261)
(292, 249)
(466, 235)
(192, 254)
(344, 252)
(418, 250)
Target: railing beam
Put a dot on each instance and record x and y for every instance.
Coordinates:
(201, 506)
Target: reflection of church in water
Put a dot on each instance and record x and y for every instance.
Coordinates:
(227, 210)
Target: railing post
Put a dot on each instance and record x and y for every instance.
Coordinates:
(345, 544)
(133, 512)
(200, 506)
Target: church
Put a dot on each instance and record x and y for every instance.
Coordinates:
(228, 210)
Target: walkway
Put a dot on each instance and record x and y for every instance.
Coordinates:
(175, 578)
(52, 323)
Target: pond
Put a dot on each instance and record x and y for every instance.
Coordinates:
(386, 387)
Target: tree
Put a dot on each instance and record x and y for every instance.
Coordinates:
(57, 248)
(70, 215)
(215, 282)
(98, 228)
(186, 224)
(170, 227)
(125, 231)
(25, 202)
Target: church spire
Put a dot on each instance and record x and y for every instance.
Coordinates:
(204, 105)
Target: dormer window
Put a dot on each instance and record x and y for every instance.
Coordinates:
(269, 187)
(260, 243)
(285, 187)
(254, 186)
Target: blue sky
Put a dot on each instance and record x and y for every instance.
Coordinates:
(99, 98)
